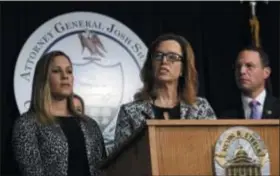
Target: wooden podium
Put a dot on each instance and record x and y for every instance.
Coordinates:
(183, 147)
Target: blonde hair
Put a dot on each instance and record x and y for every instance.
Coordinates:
(41, 94)
(187, 88)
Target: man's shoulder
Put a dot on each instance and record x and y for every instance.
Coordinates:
(272, 106)
(273, 98)
(229, 113)
(232, 110)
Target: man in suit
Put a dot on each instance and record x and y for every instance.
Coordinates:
(252, 73)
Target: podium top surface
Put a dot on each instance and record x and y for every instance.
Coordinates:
(185, 122)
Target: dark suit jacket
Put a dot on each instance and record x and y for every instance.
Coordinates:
(271, 109)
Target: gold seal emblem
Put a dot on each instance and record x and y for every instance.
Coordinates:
(240, 151)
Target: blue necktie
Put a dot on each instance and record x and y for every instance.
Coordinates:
(255, 114)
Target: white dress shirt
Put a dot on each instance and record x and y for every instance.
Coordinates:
(246, 100)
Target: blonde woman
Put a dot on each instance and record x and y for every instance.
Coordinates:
(51, 138)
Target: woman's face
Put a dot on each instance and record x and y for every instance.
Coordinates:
(61, 77)
(167, 61)
(78, 105)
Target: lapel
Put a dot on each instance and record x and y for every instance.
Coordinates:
(184, 109)
(53, 130)
(268, 107)
(87, 137)
(55, 135)
(147, 108)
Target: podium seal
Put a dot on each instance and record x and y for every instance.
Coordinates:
(240, 151)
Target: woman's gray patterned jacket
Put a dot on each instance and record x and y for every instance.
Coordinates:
(42, 150)
(131, 116)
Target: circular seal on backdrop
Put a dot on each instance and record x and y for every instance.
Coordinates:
(107, 57)
(241, 151)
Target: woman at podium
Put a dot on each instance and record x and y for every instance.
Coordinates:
(52, 138)
(169, 88)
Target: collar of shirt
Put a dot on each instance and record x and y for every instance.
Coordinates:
(246, 100)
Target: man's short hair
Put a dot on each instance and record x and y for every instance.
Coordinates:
(263, 56)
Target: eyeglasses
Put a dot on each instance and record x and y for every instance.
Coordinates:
(171, 57)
